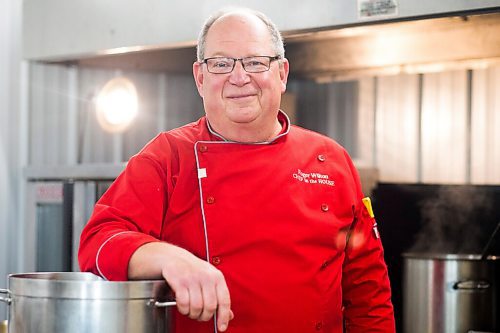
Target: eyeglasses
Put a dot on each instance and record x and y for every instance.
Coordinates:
(223, 65)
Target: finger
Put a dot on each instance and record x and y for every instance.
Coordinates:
(209, 302)
(224, 313)
(195, 302)
(222, 326)
(182, 300)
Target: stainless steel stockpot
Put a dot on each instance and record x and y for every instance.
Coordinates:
(65, 302)
(450, 293)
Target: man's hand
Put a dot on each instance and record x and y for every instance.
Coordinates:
(200, 288)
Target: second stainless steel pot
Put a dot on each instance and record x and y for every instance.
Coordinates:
(82, 302)
(450, 293)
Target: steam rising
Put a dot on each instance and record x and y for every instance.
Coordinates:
(452, 221)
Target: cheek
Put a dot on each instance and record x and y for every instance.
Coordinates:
(266, 86)
(274, 87)
(213, 86)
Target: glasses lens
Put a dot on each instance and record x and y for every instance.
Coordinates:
(220, 65)
(256, 64)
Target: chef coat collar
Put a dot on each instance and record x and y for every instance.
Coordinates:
(282, 118)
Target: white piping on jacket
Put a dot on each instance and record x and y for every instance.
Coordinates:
(204, 172)
(201, 198)
(203, 212)
(99, 252)
(225, 141)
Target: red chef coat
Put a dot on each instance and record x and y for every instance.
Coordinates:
(282, 220)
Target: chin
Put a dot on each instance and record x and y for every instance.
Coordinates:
(243, 116)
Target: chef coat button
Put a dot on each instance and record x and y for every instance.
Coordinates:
(321, 158)
(216, 260)
(210, 200)
(319, 325)
(203, 148)
(324, 207)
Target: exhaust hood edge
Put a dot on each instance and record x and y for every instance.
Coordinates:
(62, 30)
(339, 52)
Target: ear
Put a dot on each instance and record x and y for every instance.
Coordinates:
(284, 70)
(198, 77)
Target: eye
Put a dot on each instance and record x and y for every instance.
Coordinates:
(255, 62)
(220, 63)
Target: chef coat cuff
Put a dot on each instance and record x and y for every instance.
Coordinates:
(114, 254)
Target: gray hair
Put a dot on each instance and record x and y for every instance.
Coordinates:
(276, 38)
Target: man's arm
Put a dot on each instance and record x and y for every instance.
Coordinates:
(365, 282)
(122, 241)
(200, 288)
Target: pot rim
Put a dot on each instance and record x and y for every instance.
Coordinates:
(447, 256)
(81, 285)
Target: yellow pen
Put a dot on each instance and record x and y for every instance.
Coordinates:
(368, 204)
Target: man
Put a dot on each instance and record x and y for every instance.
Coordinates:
(253, 222)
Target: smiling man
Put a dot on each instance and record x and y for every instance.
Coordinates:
(241, 75)
(256, 225)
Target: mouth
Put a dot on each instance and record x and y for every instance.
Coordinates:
(240, 96)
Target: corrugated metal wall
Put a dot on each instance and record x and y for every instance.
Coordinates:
(444, 128)
(330, 109)
(64, 129)
(485, 127)
(432, 128)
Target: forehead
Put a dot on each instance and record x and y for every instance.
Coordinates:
(244, 34)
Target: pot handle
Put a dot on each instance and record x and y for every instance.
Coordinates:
(7, 300)
(162, 304)
(471, 285)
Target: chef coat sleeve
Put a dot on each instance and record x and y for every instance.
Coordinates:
(365, 282)
(127, 216)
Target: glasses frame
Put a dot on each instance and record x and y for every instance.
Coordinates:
(271, 59)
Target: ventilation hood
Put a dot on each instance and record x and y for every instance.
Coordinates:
(325, 39)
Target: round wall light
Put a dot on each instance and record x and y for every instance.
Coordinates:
(117, 105)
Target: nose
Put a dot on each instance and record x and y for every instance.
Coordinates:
(239, 76)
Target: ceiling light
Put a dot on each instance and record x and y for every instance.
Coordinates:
(117, 105)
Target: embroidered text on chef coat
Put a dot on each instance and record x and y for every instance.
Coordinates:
(313, 178)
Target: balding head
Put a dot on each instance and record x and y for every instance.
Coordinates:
(276, 39)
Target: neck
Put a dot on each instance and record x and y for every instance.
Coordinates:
(246, 133)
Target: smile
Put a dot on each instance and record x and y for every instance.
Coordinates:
(242, 96)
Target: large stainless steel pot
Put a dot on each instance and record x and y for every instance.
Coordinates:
(82, 303)
(450, 293)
